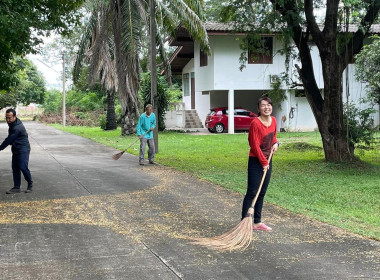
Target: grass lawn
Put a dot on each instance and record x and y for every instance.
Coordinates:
(346, 195)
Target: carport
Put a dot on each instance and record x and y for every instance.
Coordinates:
(236, 98)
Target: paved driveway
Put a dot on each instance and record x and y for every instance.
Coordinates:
(91, 217)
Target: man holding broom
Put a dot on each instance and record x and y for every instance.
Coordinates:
(18, 138)
(145, 127)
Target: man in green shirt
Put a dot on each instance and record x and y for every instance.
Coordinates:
(145, 126)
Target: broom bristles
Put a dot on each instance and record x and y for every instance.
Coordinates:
(239, 237)
(118, 155)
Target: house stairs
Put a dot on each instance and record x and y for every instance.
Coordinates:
(192, 120)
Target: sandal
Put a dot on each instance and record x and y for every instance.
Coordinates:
(261, 226)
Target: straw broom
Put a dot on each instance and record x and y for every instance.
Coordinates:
(240, 237)
(118, 155)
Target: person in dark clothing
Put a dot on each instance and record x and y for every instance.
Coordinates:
(18, 138)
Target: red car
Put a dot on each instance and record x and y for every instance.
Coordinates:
(217, 119)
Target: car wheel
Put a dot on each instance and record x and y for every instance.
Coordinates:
(211, 130)
(219, 128)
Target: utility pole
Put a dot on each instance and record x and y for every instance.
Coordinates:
(153, 72)
(63, 92)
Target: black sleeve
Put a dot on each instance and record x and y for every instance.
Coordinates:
(10, 139)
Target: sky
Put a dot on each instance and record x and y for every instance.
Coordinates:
(51, 72)
(50, 68)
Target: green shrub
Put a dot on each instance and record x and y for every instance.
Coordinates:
(52, 101)
(359, 123)
(102, 121)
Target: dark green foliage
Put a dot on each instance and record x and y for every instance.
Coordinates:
(276, 93)
(82, 108)
(359, 123)
(53, 101)
(23, 24)
(81, 82)
(368, 68)
(31, 88)
(76, 101)
(162, 94)
(28, 87)
(8, 99)
(83, 101)
(214, 10)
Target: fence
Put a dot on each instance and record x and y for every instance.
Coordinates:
(25, 111)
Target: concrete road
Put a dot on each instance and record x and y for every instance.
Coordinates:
(90, 217)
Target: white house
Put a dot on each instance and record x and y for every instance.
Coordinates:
(215, 80)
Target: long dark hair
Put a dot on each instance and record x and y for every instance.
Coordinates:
(264, 98)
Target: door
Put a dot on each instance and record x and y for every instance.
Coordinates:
(242, 119)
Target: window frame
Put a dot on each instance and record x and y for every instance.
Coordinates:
(262, 58)
(203, 58)
(186, 84)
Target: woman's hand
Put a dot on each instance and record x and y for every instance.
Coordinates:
(266, 167)
(275, 147)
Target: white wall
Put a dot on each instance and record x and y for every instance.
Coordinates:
(300, 118)
(175, 116)
(222, 71)
(204, 77)
(202, 105)
(254, 76)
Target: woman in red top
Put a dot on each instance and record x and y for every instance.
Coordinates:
(262, 140)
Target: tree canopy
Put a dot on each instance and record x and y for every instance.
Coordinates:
(29, 88)
(23, 24)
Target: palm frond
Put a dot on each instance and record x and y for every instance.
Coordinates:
(84, 45)
(132, 26)
(100, 52)
(166, 18)
(197, 7)
(191, 21)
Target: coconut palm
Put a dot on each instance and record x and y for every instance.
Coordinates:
(117, 34)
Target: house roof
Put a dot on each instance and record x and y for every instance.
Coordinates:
(185, 51)
(229, 27)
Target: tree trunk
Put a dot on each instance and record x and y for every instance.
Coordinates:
(327, 108)
(111, 122)
(127, 69)
(333, 131)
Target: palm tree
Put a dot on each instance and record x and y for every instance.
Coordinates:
(117, 30)
(97, 48)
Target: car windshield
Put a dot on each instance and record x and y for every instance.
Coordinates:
(212, 113)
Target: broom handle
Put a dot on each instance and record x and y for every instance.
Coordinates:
(262, 181)
(134, 142)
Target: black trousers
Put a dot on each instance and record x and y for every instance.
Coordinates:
(20, 164)
(255, 174)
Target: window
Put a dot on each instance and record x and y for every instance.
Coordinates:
(241, 112)
(299, 93)
(263, 54)
(203, 58)
(186, 84)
